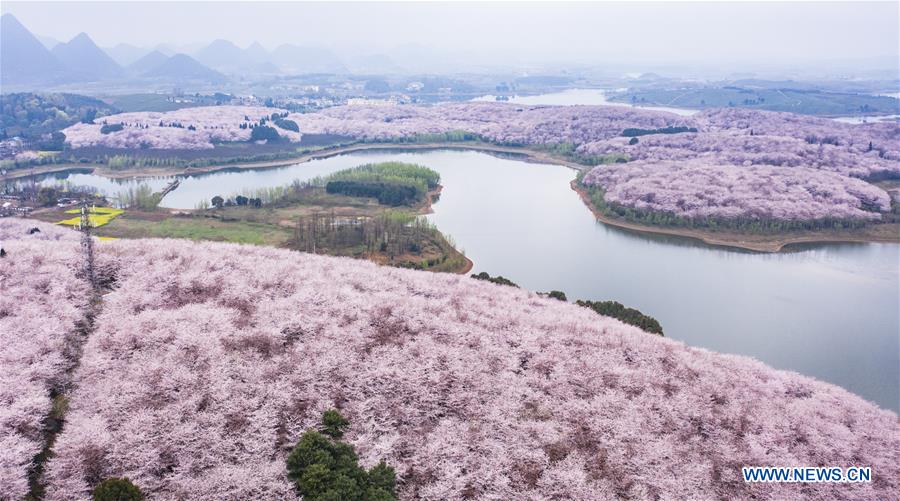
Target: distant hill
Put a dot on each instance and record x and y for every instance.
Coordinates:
(23, 58)
(84, 59)
(48, 42)
(222, 54)
(125, 54)
(182, 67)
(147, 63)
(226, 56)
(256, 53)
(297, 59)
(166, 49)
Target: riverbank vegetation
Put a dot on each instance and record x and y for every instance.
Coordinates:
(612, 309)
(396, 238)
(621, 312)
(140, 197)
(301, 216)
(499, 279)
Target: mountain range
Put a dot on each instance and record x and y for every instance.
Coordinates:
(28, 61)
(83, 58)
(23, 58)
(184, 67)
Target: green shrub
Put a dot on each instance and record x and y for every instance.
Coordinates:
(333, 424)
(324, 468)
(287, 124)
(117, 489)
(106, 129)
(621, 312)
(264, 133)
(560, 295)
(634, 132)
(499, 279)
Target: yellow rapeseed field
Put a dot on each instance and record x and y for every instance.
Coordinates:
(97, 215)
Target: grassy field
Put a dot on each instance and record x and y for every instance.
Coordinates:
(196, 227)
(150, 102)
(277, 225)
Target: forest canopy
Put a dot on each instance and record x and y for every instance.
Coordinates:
(392, 183)
(29, 116)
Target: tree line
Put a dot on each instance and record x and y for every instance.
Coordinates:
(612, 309)
(392, 183)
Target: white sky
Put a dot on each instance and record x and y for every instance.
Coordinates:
(635, 32)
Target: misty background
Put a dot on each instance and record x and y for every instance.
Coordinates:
(687, 39)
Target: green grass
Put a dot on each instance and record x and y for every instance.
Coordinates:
(148, 102)
(199, 228)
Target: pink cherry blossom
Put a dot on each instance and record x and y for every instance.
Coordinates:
(698, 189)
(41, 300)
(209, 360)
(142, 129)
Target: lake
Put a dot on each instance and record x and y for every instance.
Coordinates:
(828, 311)
(863, 119)
(572, 97)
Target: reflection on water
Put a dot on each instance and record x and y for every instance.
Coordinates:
(829, 311)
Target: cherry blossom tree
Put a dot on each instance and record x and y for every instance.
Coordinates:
(697, 189)
(209, 361)
(41, 302)
(185, 128)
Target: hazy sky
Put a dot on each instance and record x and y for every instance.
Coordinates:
(768, 32)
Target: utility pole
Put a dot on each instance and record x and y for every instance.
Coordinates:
(87, 245)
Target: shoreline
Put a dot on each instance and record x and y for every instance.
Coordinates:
(102, 170)
(766, 245)
(773, 245)
(469, 265)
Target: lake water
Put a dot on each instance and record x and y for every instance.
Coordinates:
(828, 311)
(863, 119)
(572, 97)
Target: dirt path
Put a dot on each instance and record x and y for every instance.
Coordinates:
(74, 345)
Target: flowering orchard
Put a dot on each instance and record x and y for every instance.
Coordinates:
(208, 362)
(41, 303)
(698, 165)
(186, 128)
(699, 189)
